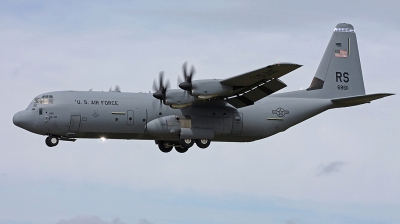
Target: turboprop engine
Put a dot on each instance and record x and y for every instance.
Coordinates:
(209, 88)
(176, 99)
(202, 89)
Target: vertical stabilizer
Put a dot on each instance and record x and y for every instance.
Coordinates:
(339, 73)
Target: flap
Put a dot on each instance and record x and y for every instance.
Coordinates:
(270, 72)
(256, 93)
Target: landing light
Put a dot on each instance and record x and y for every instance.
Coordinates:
(102, 139)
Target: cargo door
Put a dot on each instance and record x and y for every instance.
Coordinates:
(140, 120)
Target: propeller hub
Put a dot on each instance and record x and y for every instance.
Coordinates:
(158, 95)
(185, 86)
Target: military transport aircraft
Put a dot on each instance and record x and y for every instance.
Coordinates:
(241, 108)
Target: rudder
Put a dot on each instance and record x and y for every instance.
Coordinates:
(339, 73)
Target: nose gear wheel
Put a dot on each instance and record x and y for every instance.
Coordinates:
(51, 141)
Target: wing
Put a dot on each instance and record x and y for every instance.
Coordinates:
(263, 74)
(255, 85)
(251, 95)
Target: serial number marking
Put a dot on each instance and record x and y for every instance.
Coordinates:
(97, 102)
(342, 87)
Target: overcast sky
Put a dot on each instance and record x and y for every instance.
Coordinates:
(341, 166)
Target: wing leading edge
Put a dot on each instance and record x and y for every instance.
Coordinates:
(263, 74)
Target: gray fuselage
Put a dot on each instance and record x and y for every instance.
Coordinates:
(117, 115)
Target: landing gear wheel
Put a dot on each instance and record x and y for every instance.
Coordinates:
(181, 149)
(203, 143)
(51, 141)
(164, 147)
(186, 142)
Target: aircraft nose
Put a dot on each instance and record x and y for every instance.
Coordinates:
(22, 119)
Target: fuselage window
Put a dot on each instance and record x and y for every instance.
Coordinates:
(40, 111)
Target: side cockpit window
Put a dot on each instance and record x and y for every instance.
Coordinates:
(45, 99)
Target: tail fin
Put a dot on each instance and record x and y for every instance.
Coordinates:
(339, 73)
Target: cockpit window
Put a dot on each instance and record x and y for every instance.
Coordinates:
(46, 99)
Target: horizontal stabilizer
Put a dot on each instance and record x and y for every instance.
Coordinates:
(357, 100)
(256, 93)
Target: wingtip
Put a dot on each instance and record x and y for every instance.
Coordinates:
(287, 63)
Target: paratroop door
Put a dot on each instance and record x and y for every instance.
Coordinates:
(75, 123)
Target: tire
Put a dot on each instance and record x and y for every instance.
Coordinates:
(48, 142)
(51, 141)
(181, 149)
(203, 143)
(187, 143)
(164, 147)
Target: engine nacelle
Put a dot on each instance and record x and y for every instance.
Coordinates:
(178, 98)
(210, 88)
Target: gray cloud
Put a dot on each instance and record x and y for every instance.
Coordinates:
(83, 46)
(331, 168)
(3, 178)
(89, 220)
(144, 221)
(292, 221)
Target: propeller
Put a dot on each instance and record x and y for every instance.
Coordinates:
(186, 84)
(117, 89)
(161, 89)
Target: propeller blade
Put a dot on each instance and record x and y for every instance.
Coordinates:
(161, 80)
(184, 71)
(179, 81)
(187, 82)
(192, 71)
(117, 88)
(160, 92)
(154, 86)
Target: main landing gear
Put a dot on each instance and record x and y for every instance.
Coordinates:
(52, 141)
(164, 146)
(183, 145)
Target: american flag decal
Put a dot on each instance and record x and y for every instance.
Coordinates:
(341, 53)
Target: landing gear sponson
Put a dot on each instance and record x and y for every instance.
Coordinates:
(183, 145)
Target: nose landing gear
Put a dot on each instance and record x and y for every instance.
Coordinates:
(52, 141)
